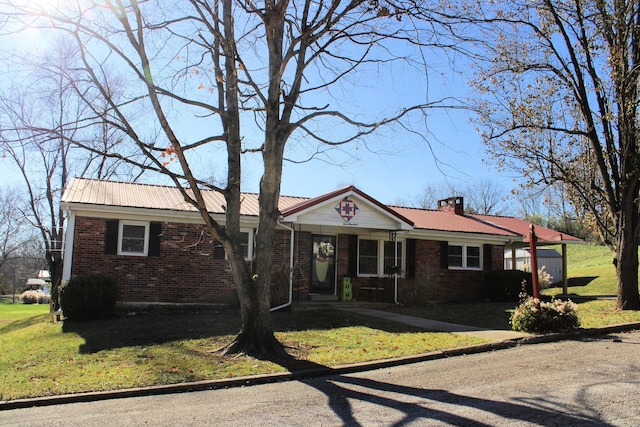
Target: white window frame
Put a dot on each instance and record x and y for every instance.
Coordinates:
(121, 226)
(250, 243)
(465, 256)
(380, 260)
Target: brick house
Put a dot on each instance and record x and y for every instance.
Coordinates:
(157, 247)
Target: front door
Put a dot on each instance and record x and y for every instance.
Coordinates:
(323, 261)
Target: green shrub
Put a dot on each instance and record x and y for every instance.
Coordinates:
(506, 285)
(536, 316)
(88, 297)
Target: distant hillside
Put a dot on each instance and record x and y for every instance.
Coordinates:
(590, 271)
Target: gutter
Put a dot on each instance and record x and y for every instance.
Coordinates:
(288, 303)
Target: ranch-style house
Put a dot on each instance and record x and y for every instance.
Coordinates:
(341, 245)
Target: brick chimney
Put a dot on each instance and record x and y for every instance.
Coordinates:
(454, 205)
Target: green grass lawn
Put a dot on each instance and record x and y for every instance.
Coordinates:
(590, 271)
(42, 358)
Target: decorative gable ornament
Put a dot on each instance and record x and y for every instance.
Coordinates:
(347, 209)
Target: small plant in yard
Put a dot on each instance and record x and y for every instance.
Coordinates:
(29, 297)
(35, 297)
(544, 278)
(533, 315)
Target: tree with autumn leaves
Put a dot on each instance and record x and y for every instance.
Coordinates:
(559, 84)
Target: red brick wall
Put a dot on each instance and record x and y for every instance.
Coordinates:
(433, 283)
(185, 271)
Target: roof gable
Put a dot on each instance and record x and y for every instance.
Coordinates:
(347, 206)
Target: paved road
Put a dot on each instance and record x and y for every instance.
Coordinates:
(590, 381)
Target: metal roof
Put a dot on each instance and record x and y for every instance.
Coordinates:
(447, 221)
(97, 193)
(146, 196)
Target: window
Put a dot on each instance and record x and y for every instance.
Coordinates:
(464, 256)
(370, 263)
(390, 257)
(246, 243)
(455, 256)
(368, 257)
(133, 238)
(473, 257)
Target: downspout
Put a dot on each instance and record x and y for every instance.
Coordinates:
(67, 246)
(288, 303)
(395, 276)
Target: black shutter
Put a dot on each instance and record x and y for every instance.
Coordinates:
(487, 263)
(155, 232)
(111, 237)
(444, 255)
(411, 258)
(353, 256)
(218, 250)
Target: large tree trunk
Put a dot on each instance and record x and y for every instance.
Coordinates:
(55, 270)
(256, 336)
(626, 258)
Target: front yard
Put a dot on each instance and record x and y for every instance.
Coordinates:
(41, 358)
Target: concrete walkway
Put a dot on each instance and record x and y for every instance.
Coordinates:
(437, 326)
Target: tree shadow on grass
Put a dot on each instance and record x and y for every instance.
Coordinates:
(580, 281)
(150, 329)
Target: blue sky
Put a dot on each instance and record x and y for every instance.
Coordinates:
(399, 165)
(405, 174)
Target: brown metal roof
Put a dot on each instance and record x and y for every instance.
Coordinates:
(146, 196)
(446, 221)
(521, 227)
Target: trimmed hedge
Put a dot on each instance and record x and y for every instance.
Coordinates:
(506, 285)
(88, 297)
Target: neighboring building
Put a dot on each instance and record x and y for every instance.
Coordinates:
(157, 247)
(547, 257)
(40, 283)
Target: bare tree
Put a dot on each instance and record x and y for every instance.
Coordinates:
(250, 77)
(42, 115)
(484, 197)
(12, 224)
(481, 197)
(560, 85)
(19, 248)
